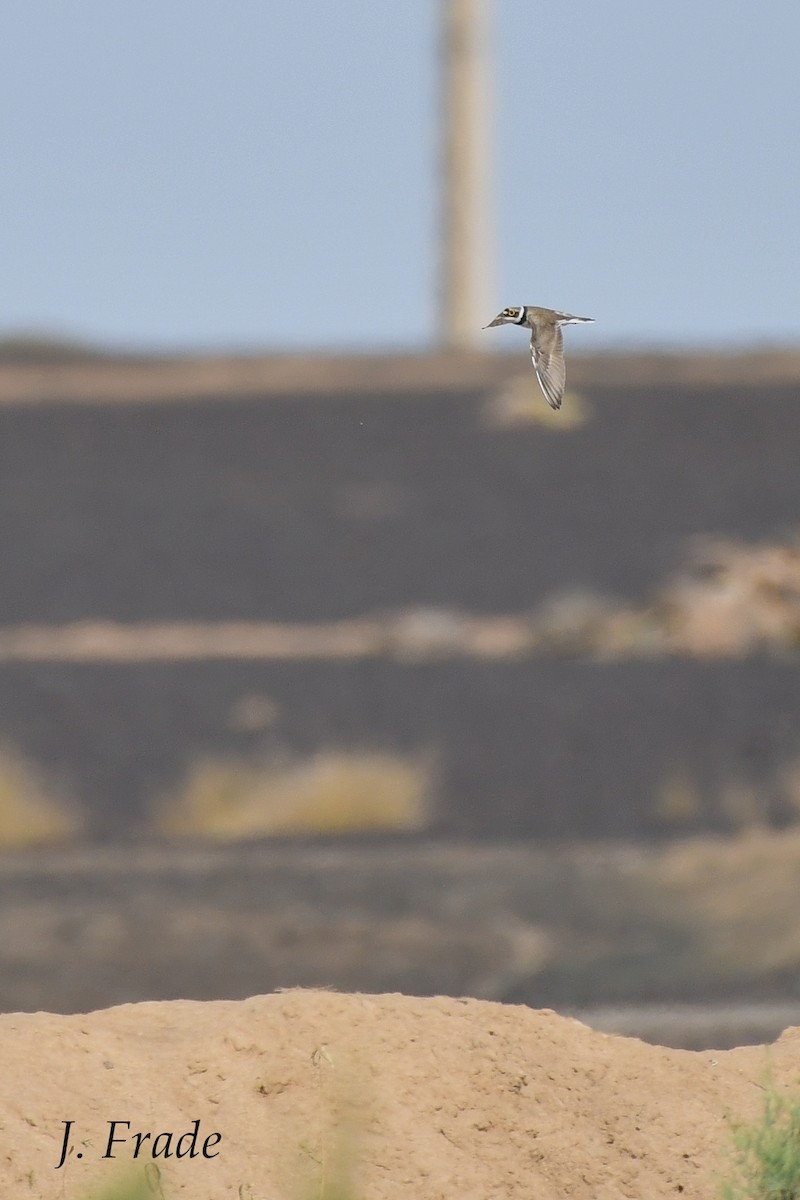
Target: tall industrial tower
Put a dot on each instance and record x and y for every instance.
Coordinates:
(465, 266)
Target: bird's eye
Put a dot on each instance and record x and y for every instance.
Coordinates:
(510, 312)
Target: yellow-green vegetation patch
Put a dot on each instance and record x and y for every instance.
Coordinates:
(766, 1154)
(333, 792)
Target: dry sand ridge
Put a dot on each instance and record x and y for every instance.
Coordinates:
(429, 1098)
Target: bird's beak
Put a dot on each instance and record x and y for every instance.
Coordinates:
(497, 321)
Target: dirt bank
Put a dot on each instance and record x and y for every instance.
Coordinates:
(410, 1097)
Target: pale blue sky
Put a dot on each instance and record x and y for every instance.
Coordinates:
(248, 174)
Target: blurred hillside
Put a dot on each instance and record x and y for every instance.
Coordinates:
(412, 558)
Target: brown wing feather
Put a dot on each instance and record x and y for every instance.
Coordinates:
(547, 352)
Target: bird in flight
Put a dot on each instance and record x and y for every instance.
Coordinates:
(547, 344)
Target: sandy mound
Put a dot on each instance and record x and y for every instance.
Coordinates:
(410, 1097)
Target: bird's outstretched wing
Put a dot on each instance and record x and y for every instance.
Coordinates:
(547, 352)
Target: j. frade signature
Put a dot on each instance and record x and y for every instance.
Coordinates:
(147, 1144)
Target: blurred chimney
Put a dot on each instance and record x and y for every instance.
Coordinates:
(464, 284)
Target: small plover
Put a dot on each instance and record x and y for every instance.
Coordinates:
(547, 344)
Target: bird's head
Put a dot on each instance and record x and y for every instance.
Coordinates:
(509, 316)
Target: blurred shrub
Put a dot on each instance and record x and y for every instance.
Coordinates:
(735, 599)
(730, 600)
(32, 811)
(333, 792)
